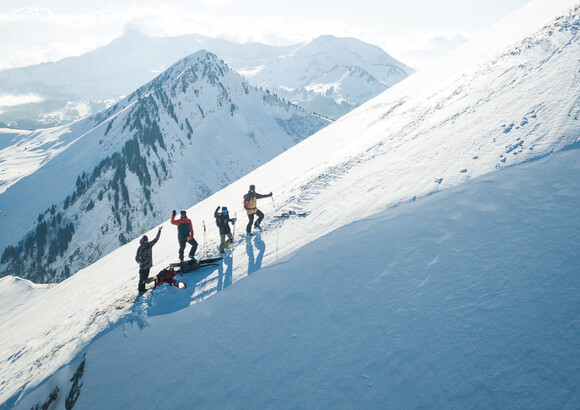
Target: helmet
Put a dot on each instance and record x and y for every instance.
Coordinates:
(252, 187)
(183, 213)
(144, 239)
(224, 210)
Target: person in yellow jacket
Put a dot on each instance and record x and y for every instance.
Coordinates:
(250, 205)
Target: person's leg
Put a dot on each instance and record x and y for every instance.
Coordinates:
(229, 241)
(143, 275)
(222, 242)
(250, 222)
(193, 249)
(260, 218)
(181, 249)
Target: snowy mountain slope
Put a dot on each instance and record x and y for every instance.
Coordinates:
(86, 82)
(10, 137)
(23, 161)
(465, 299)
(191, 131)
(426, 134)
(331, 75)
(305, 64)
(358, 178)
(15, 291)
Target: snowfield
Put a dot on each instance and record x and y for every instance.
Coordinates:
(465, 299)
(437, 265)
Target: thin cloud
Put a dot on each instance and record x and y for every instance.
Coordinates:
(26, 14)
(8, 100)
(41, 34)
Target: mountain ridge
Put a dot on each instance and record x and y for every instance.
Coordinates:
(103, 75)
(198, 106)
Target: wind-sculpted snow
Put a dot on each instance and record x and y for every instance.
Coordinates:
(435, 266)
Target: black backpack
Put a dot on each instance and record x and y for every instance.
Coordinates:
(222, 220)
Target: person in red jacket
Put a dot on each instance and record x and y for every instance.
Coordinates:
(184, 234)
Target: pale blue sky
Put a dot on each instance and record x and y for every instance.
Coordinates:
(414, 32)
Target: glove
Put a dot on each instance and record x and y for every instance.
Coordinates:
(270, 194)
(217, 209)
(174, 212)
(234, 220)
(160, 228)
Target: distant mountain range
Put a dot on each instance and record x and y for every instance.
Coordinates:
(327, 75)
(331, 75)
(71, 194)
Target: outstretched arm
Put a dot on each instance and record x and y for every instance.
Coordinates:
(154, 241)
(260, 196)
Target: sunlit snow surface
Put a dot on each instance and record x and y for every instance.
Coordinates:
(466, 298)
(438, 265)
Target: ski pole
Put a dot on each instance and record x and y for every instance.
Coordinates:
(236, 220)
(204, 240)
(277, 225)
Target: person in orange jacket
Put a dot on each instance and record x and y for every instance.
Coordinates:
(184, 234)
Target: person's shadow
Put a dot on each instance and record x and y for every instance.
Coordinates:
(225, 272)
(255, 264)
(167, 299)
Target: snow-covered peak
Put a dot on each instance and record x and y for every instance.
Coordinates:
(331, 75)
(191, 131)
(359, 51)
(310, 61)
(200, 64)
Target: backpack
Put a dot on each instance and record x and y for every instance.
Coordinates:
(247, 197)
(222, 220)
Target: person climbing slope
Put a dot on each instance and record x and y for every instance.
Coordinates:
(223, 220)
(250, 205)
